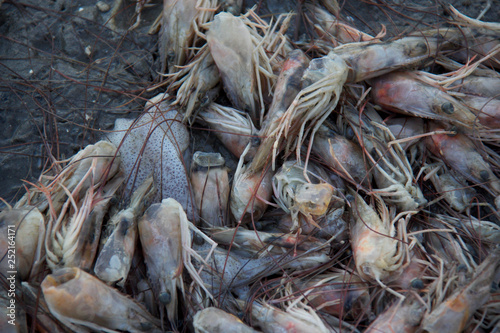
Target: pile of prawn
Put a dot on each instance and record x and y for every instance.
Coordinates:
(364, 197)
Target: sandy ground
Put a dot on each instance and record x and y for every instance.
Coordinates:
(66, 75)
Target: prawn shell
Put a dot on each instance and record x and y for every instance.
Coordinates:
(483, 86)
(330, 224)
(178, 29)
(288, 86)
(242, 195)
(404, 318)
(462, 155)
(76, 297)
(344, 156)
(29, 227)
(340, 32)
(253, 241)
(486, 109)
(406, 127)
(372, 241)
(478, 46)
(455, 312)
(232, 128)
(213, 320)
(272, 319)
(454, 189)
(231, 46)
(400, 92)
(160, 233)
(115, 258)
(369, 60)
(341, 294)
(314, 198)
(210, 182)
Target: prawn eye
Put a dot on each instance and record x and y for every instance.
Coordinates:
(204, 101)
(447, 108)
(417, 284)
(165, 298)
(484, 175)
(255, 141)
